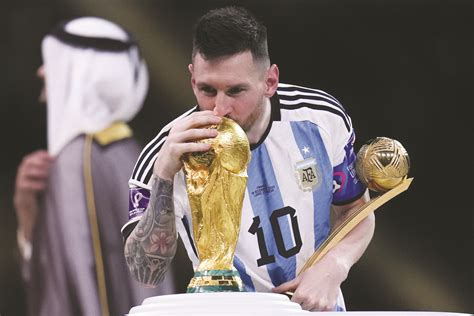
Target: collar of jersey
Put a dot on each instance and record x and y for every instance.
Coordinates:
(274, 116)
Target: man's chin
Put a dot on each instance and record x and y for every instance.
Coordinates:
(244, 126)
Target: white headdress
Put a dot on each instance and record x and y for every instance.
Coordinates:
(94, 77)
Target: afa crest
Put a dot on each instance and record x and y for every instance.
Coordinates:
(307, 174)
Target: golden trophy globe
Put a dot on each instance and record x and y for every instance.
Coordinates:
(382, 165)
(215, 182)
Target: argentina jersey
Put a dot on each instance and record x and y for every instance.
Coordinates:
(303, 164)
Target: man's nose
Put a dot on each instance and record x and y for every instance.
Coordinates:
(222, 106)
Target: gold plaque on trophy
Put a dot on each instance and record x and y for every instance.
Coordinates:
(215, 182)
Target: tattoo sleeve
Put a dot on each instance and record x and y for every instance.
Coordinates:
(151, 246)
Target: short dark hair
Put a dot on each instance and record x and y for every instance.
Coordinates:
(228, 31)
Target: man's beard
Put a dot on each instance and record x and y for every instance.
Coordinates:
(252, 118)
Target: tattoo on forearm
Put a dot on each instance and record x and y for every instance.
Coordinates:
(151, 246)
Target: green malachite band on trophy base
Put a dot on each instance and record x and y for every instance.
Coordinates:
(216, 281)
(225, 273)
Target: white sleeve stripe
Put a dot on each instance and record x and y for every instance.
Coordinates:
(135, 183)
(146, 160)
(147, 174)
(284, 85)
(312, 101)
(325, 106)
(296, 92)
(294, 95)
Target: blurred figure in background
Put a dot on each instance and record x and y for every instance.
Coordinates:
(70, 199)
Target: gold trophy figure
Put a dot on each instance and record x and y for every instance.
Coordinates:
(215, 182)
(382, 164)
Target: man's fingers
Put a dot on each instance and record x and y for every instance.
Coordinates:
(203, 113)
(197, 147)
(180, 149)
(195, 134)
(304, 300)
(311, 302)
(196, 120)
(33, 170)
(36, 173)
(287, 286)
(31, 184)
(38, 159)
(37, 185)
(39, 155)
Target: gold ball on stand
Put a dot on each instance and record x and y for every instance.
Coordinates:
(382, 164)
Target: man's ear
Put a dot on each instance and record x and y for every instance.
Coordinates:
(193, 81)
(191, 72)
(271, 81)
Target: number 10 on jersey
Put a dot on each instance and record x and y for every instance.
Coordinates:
(257, 229)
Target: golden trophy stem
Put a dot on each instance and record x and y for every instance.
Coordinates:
(352, 221)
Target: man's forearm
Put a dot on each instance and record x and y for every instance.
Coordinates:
(353, 245)
(151, 246)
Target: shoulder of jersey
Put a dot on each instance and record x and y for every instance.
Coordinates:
(144, 166)
(301, 103)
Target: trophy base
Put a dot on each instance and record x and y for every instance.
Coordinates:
(215, 281)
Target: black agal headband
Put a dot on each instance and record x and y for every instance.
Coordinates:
(98, 43)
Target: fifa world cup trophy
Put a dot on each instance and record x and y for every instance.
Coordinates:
(215, 183)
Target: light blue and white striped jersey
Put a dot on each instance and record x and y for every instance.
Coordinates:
(303, 164)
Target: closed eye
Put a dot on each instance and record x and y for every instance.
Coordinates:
(207, 90)
(235, 90)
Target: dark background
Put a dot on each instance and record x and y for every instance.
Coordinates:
(403, 69)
